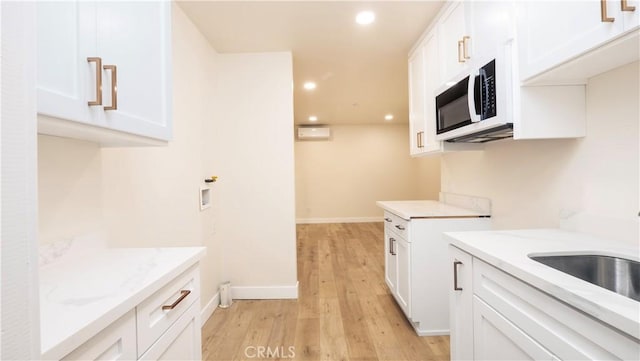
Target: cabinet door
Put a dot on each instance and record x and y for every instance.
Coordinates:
(460, 304)
(491, 23)
(390, 261)
(452, 30)
(182, 341)
(417, 100)
(631, 18)
(136, 38)
(403, 291)
(116, 342)
(432, 81)
(66, 80)
(551, 32)
(495, 338)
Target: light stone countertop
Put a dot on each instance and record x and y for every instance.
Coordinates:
(80, 296)
(509, 250)
(427, 209)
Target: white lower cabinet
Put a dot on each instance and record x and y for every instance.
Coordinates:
(415, 265)
(496, 338)
(116, 342)
(181, 341)
(403, 289)
(512, 320)
(461, 305)
(390, 261)
(165, 326)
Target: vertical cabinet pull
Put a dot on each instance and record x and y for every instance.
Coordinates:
(114, 87)
(625, 7)
(465, 53)
(455, 276)
(98, 62)
(419, 139)
(603, 12)
(392, 241)
(460, 45)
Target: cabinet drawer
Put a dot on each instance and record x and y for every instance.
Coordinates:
(153, 320)
(182, 341)
(116, 342)
(396, 224)
(563, 330)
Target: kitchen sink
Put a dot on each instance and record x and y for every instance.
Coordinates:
(616, 274)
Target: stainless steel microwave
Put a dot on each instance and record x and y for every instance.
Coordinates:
(474, 107)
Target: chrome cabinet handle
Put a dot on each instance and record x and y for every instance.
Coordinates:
(114, 87)
(625, 7)
(603, 12)
(387, 219)
(400, 227)
(455, 276)
(391, 247)
(183, 295)
(98, 62)
(460, 58)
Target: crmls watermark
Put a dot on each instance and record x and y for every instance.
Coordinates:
(270, 352)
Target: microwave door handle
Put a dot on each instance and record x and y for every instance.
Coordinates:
(471, 98)
(484, 91)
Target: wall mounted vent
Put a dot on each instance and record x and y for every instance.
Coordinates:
(310, 133)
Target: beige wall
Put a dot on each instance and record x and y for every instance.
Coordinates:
(589, 184)
(340, 179)
(149, 196)
(69, 189)
(252, 151)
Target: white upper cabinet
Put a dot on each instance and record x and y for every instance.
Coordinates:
(416, 100)
(454, 41)
(424, 79)
(64, 43)
(490, 24)
(106, 67)
(432, 82)
(552, 32)
(135, 36)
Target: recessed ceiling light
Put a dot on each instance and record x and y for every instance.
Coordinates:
(313, 118)
(365, 17)
(388, 117)
(309, 85)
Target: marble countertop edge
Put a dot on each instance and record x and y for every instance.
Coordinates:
(71, 340)
(502, 250)
(427, 209)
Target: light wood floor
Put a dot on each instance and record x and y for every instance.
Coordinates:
(344, 310)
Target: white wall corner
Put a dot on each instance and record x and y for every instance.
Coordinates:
(265, 292)
(209, 308)
(338, 220)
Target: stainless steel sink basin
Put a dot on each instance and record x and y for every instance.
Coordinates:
(615, 274)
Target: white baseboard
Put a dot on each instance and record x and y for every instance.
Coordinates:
(265, 292)
(431, 332)
(208, 310)
(338, 220)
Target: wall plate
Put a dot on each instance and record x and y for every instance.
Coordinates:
(205, 198)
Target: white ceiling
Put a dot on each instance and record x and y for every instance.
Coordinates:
(361, 71)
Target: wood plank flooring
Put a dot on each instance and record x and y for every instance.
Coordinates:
(344, 311)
